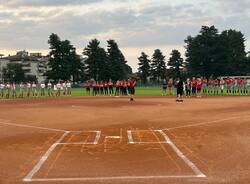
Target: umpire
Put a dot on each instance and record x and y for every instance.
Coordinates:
(180, 90)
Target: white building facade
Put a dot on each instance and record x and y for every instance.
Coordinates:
(34, 64)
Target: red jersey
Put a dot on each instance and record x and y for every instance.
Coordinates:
(105, 84)
(120, 84)
(204, 81)
(199, 84)
(216, 82)
(110, 84)
(170, 83)
(125, 84)
(194, 83)
(87, 84)
(210, 82)
(132, 83)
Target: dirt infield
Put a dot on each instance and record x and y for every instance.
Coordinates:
(153, 140)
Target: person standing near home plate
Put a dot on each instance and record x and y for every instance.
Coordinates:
(180, 90)
(132, 89)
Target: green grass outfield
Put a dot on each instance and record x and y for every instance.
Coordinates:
(139, 91)
(151, 91)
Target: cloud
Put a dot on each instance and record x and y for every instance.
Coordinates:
(26, 24)
(23, 3)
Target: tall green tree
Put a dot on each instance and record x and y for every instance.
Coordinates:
(118, 65)
(233, 52)
(97, 65)
(200, 52)
(144, 67)
(158, 66)
(175, 63)
(63, 62)
(211, 53)
(14, 73)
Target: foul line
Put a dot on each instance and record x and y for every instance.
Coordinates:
(43, 159)
(35, 127)
(182, 156)
(206, 123)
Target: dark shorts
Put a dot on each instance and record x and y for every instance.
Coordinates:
(179, 91)
(132, 91)
(198, 90)
(193, 90)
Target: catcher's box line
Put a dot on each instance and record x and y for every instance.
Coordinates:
(173, 146)
(43, 159)
(182, 156)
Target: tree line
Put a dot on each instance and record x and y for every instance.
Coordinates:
(99, 64)
(208, 54)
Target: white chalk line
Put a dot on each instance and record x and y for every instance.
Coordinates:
(130, 137)
(207, 123)
(182, 156)
(110, 178)
(98, 136)
(43, 159)
(131, 140)
(96, 141)
(30, 126)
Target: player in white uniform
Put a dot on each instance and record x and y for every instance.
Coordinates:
(34, 92)
(58, 89)
(2, 86)
(42, 85)
(28, 86)
(13, 89)
(50, 93)
(64, 88)
(68, 84)
(8, 90)
(21, 90)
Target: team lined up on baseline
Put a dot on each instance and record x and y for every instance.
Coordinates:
(33, 89)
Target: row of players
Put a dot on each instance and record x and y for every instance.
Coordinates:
(122, 87)
(198, 85)
(32, 89)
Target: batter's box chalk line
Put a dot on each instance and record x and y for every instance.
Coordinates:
(43, 159)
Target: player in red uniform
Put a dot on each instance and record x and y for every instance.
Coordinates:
(87, 86)
(106, 91)
(117, 88)
(228, 83)
(194, 86)
(216, 86)
(110, 85)
(132, 89)
(210, 86)
(222, 83)
(101, 86)
(199, 87)
(204, 85)
(170, 85)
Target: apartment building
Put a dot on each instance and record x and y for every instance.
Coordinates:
(34, 64)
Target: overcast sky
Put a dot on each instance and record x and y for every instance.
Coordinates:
(137, 25)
